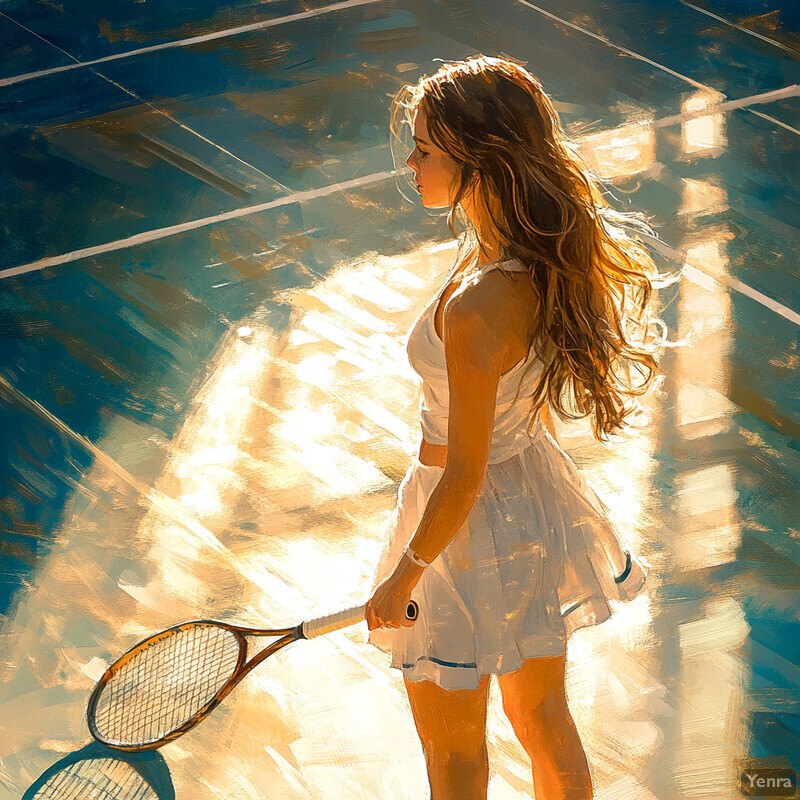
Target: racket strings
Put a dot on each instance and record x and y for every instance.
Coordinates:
(165, 684)
(96, 779)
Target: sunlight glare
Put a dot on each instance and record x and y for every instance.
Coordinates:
(621, 152)
(703, 135)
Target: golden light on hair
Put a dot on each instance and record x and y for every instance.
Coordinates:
(544, 205)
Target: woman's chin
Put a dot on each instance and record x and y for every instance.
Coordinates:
(432, 203)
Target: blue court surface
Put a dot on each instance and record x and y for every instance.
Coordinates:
(207, 275)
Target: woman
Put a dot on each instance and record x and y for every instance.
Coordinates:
(495, 532)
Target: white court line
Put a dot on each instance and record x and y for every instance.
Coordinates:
(173, 230)
(679, 257)
(192, 40)
(157, 499)
(636, 55)
(775, 121)
(299, 197)
(151, 105)
(603, 39)
(740, 27)
(167, 505)
(730, 105)
(375, 177)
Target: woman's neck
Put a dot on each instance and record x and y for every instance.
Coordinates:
(489, 250)
(486, 254)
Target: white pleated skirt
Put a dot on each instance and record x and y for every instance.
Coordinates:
(537, 558)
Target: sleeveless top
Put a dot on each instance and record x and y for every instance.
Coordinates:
(514, 392)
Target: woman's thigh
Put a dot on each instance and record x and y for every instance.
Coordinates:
(535, 691)
(449, 723)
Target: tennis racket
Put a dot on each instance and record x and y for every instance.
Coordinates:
(168, 683)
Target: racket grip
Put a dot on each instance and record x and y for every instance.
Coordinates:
(344, 619)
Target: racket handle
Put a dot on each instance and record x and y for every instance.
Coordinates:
(344, 619)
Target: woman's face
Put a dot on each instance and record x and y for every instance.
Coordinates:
(434, 170)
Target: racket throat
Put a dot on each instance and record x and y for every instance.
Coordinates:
(289, 635)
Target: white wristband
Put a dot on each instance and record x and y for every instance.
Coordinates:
(412, 556)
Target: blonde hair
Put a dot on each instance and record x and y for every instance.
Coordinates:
(593, 280)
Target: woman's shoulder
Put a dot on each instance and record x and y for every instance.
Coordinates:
(495, 304)
(493, 294)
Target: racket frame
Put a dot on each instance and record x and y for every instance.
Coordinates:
(242, 669)
(304, 630)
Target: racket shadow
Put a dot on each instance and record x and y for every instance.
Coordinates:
(97, 772)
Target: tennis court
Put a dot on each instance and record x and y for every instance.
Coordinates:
(207, 407)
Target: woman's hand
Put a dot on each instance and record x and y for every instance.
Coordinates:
(388, 604)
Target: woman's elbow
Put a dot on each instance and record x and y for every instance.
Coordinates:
(465, 474)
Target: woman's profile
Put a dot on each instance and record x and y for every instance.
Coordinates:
(495, 533)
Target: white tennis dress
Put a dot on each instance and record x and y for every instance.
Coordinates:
(537, 558)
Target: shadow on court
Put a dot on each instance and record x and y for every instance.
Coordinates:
(97, 771)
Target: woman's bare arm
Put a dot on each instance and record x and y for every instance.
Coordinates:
(474, 353)
(479, 338)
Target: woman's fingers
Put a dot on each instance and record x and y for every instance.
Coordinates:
(375, 622)
(379, 614)
(368, 615)
(371, 617)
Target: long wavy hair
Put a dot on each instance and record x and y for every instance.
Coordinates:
(593, 280)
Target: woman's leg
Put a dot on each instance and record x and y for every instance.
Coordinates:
(535, 703)
(452, 729)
